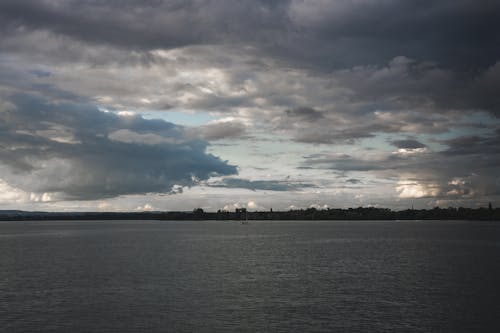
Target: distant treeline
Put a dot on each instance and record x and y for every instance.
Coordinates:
(361, 213)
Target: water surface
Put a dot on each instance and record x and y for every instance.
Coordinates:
(216, 276)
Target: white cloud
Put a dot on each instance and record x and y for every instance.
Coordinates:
(11, 194)
(413, 189)
(145, 207)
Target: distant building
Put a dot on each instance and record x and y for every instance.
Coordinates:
(241, 210)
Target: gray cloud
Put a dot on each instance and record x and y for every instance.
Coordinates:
(304, 114)
(149, 24)
(264, 185)
(466, 169)
(408, 144)
(473, 145)
(221, 130)
(426, 56)
(317, 33)
(315, 72)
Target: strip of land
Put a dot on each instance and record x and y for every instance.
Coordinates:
(360, 213)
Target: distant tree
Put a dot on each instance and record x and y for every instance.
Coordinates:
(489, 206)
(198, 211)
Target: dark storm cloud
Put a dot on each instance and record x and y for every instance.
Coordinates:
(80, 152)
(442, 55)
(147, 24)
(462, 34)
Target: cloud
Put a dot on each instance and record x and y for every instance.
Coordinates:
(446, 31)
(316, 33)
(146, 207)
(413, 189)
(332, 77)
(221, 130)
(304, 113)
(467, 168)
(401, 96)
(408, 144)
(473, 145)
(128, 136)
(423, 55)
(76, 151)
(263, 185)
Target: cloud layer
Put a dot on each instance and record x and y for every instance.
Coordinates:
(75, 151)
(339, 98)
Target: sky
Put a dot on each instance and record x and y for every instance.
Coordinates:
(171, 105)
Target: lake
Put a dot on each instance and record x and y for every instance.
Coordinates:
(267, 276)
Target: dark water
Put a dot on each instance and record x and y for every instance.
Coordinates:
(121, 276)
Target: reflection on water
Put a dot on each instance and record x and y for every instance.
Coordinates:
(127, 276)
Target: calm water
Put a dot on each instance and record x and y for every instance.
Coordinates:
(129, 276)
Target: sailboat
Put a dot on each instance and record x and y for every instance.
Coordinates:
(245, 221)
